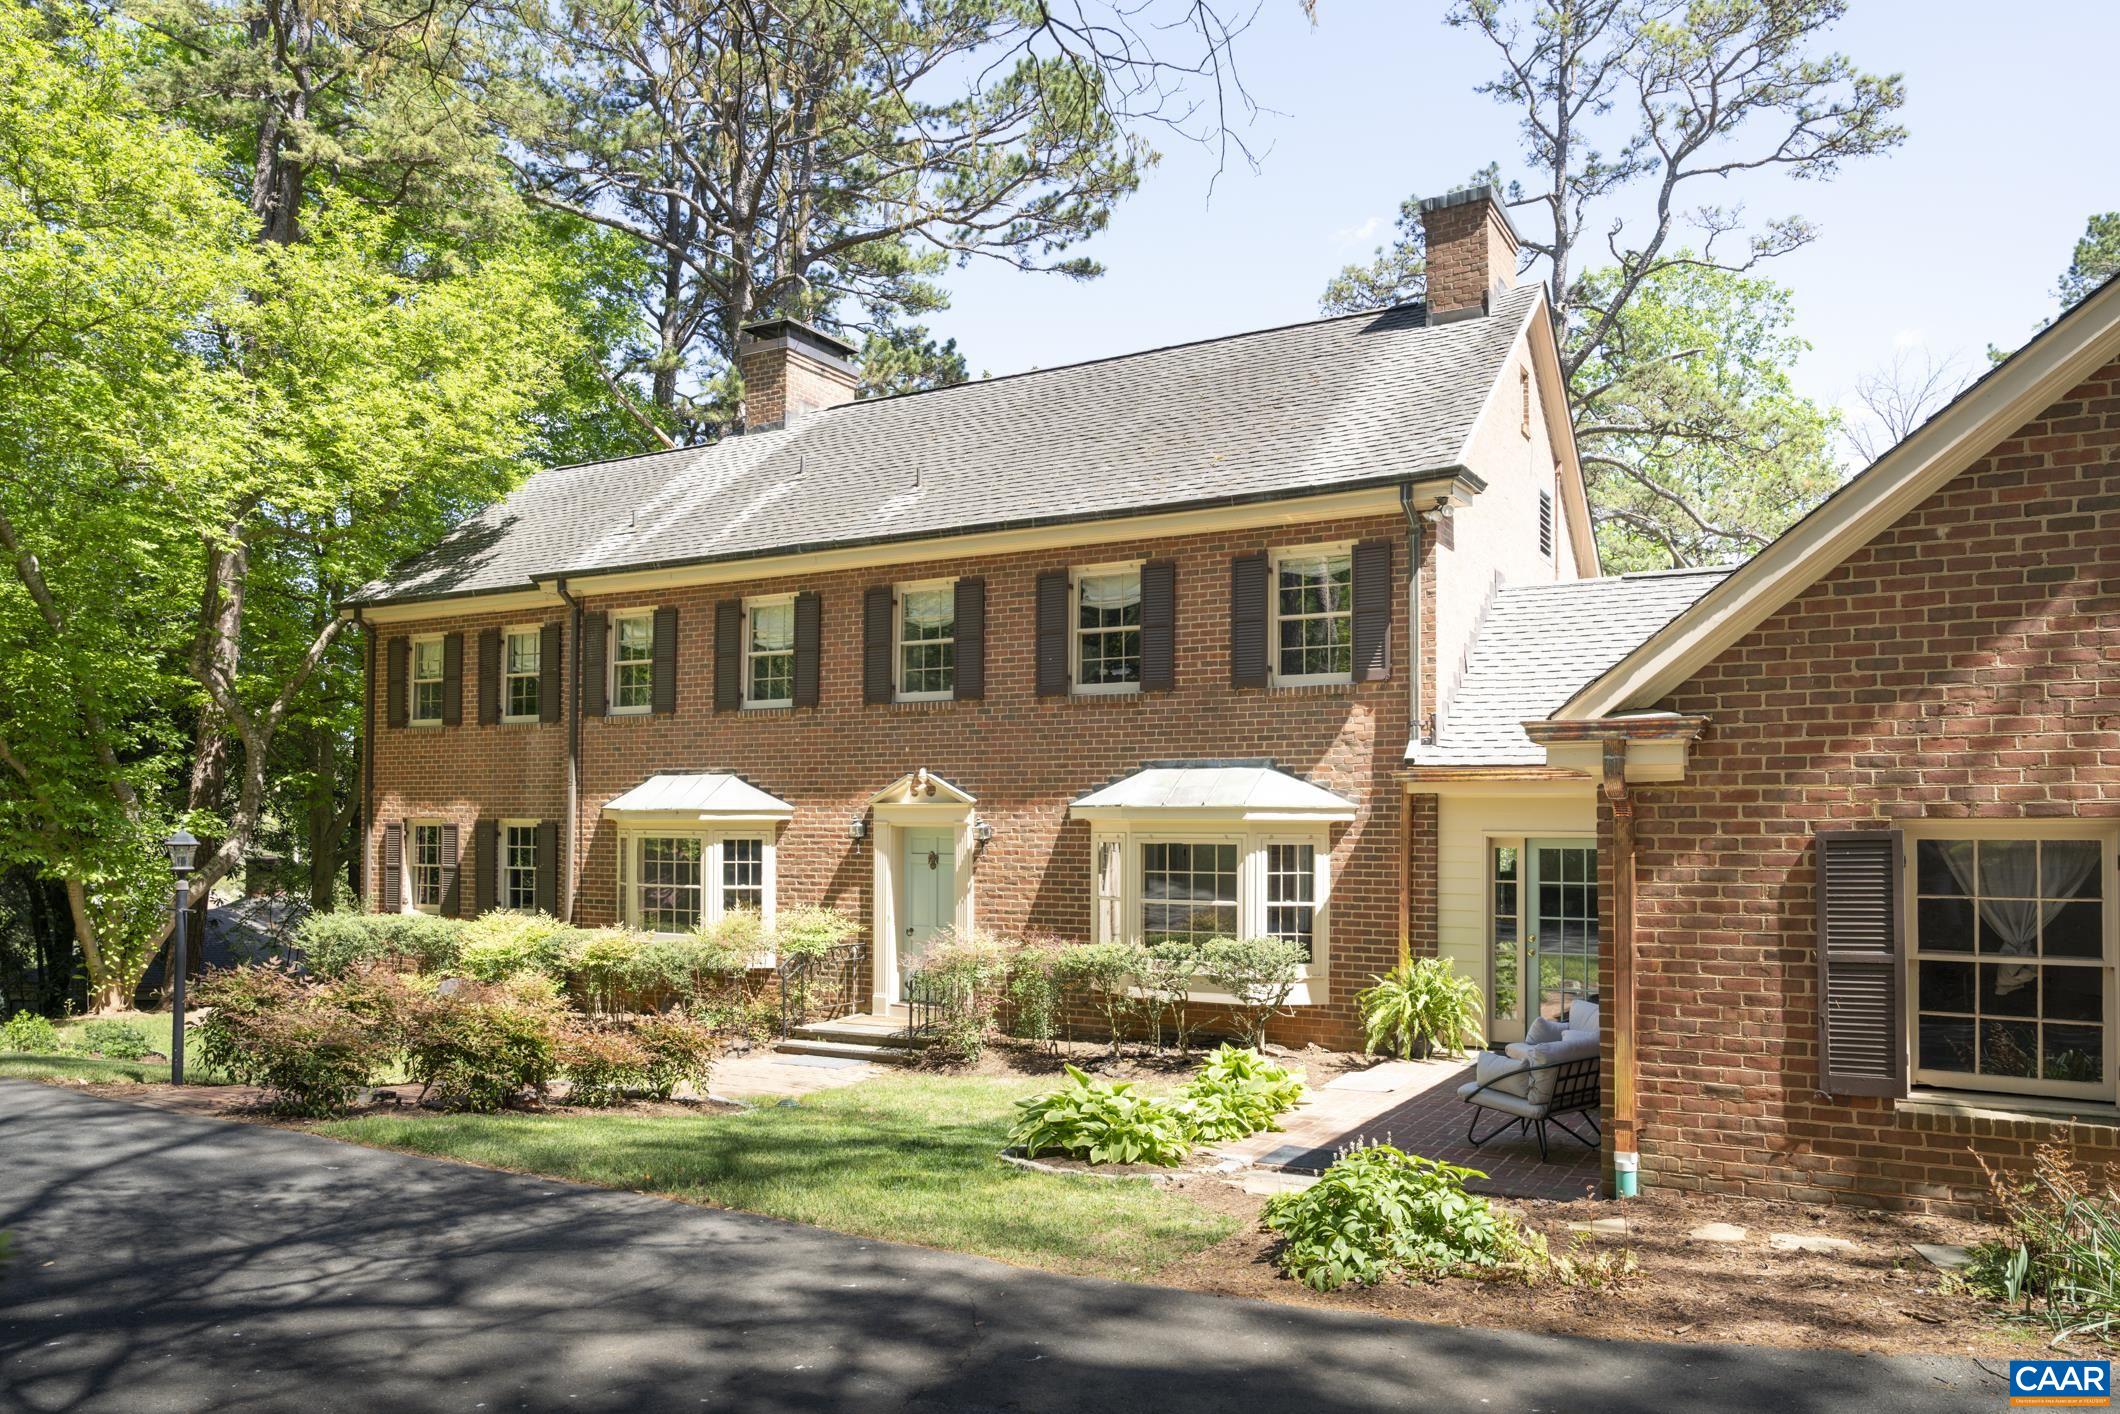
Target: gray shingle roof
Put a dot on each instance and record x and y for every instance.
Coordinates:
(1541, 642)
(1310, 407)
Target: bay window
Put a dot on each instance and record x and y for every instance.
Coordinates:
(674, 880)
(1162, 884)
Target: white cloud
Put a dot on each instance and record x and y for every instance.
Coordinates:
(1358, 235)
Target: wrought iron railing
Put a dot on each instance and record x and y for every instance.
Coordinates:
(926, 1005)
(829, 981)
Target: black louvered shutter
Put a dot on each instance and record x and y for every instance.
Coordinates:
(970, 675)
(1862, 1039)
(728, 655)
(489, 676)
(1372, 611)
(664, 700)
(548, 680)
(485, 865)
(877, 607)
(596, 628)
(1247, 621)
(393, 896)
(1052, 633)
(548, 867)
(1159, 626)
(452, 896)
(452, 679)
(396, 670)
(809, 627)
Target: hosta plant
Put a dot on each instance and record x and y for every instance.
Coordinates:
(1380, 1214)
(1103, 1121)
(1239, 1092)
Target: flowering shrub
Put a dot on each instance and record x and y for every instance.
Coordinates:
(295, 1039)
(478, 1046)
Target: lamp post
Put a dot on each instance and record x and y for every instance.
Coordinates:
(182, 847)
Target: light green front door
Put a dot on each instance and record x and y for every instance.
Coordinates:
(930, 874)
(1562, 937)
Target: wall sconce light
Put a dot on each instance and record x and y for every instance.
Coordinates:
(983, 832)
(858, 828)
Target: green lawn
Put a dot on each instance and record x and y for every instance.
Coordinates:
(19, 1065)
(905, 1158)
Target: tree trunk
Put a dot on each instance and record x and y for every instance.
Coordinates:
(324, 825)
(105, 993)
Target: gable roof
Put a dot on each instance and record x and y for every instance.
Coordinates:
(1332, 404)
(1962, 432)
(1538, 645)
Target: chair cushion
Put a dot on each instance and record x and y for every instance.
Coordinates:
(1508, 1104)
(1503, 1068)
(1583, 1016)
(1574, 1035)
(1542, 1030)
(1554, 1054)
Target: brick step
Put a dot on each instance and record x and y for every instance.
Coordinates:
(849, 1050)
(860, 1032)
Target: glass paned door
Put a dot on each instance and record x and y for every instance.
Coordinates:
(1562, 937)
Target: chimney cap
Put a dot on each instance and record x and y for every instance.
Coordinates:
(1465, 196)
(800, 334)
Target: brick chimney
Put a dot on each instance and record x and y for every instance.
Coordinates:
(1471, 252)
(791, 369)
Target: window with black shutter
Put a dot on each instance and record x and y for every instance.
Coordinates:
(665, 661)
(1862, 1048)
(485, 864)
(1052, 633)
(489, 676)
(1247, 621)
(595, 679)
(1372, 611)
(809, 623)
(393, 894)
(728, 655)
(548, 867)
(452, 679)
(1159, 625)
(397, 673)
(548, 651)
(970, 608)
(878, 608)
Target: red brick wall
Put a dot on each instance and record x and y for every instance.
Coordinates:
(1965, 664)
(1023, 757)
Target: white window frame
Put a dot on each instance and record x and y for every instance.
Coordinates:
(1342, 549)
(1959, 1083)
(411, 867)
(1251, 839)
(611, 664)
(1075, 631)
(710, 867)
(898, 641)
(766, 601)
(440, 679)
(536, 634)
(500, 882)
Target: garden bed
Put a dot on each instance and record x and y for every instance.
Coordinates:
(1009, 1059)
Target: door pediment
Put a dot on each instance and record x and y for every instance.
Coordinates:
(923, 788)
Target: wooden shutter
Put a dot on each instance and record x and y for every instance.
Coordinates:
(548, 867)
(489, 676)
(393, 895)
(877, 608)
(396, 671)
(1053, 588)
(663, 699)
(452, 896)
(1247, 621)
(728, 655)
(809, 624)
(452, 679)
(1372, 611)
(596, 684)
(1159, 626)
(485, 866)
(970, 676)
(548, 679)
(1862, 1035)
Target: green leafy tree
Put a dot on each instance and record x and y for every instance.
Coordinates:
(2096, 259)
(1651, 102)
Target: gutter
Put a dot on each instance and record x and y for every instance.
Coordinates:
(368, 639)
(574, 753)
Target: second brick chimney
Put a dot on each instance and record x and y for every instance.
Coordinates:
(791, 369)
(1472, 250)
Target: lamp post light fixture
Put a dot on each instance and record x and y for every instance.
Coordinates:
(182, 850)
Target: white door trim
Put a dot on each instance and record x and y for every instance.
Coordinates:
(887, 851)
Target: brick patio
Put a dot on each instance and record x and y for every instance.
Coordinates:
(1414, 1105)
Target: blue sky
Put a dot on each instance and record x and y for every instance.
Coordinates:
(1952, 241)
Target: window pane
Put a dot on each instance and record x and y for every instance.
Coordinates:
(669, 884)
(519, 867)
(1946, 986)
(2009, 1048)
(523, 652)
(2075, 930)
(427, 659)
(2069, 869)
(1944, 867)
(927, 648)
(1316, 633)
(2072, 993)
(1944, 925)
(1188, 892)
(1108, 628)
(772, 653)
(2009, 868)
(2009, 989)
(636, 634)
(743, 874)
(2075, 1054)
(1946, 1043)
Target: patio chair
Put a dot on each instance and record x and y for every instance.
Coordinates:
(1535, 1090)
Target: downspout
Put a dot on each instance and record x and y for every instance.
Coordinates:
(571, 824)
(1413, 714)
(1619, 1004)
(367, 754)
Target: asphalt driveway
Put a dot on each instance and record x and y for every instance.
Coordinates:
(170, 1263)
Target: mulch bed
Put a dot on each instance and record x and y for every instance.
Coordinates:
(1024, 1060)
(1881, 1298)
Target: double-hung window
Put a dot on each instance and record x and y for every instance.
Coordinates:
(1292, 893)
(769, 653)
(1188, 891)
(927, 641)
(518, 881)
(427, 680)
(423, 874)
(521, 664)
(1108, 630)
(673, 881)
(2013, 963)
(633, 662)
(1313, 603)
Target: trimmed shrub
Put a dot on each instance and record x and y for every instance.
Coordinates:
(497, 946)
(600, 966)
(479, 1046)
(1259, 974)
(1420, 1004)
(334, 944)
(678, 1049)
(1036, 1002)
(964, 974)
(1104, 973)
(30, 1032)
(754, 1018)
(113, 1040)
(1168, 973)
(604, 1063)
(1103, 1121)
(1380, 1214)
(808, 930)
(293, 1038)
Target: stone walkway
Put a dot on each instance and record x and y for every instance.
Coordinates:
(1414, 1105)
(765, 1074)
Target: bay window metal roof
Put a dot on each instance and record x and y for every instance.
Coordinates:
(708, 795)
(1249, 790)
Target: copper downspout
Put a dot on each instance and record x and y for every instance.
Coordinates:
(1619, 994)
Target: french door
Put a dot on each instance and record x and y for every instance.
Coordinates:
(1544, 933)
